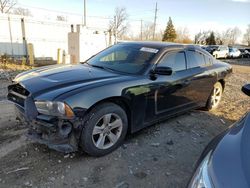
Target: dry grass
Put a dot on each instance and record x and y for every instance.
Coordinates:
(9, 70)
(14, 67)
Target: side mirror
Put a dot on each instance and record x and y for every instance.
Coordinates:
(162, 71)
(246, 89)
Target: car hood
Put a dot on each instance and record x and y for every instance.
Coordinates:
(62, 77)
(230, 161)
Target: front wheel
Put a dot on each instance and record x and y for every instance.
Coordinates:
(104, 130)
(215, 97)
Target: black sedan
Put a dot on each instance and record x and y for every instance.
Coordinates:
(225, 161)
(126, 87)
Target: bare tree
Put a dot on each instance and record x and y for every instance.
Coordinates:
(231, 35)
(22, 11)
(197, 38)
(246, 37)
(218, 38)
(200, 38)
(120, 23)
(158, 35)
(183, 35)
(147, 31)
(6, 5)
(61, 18)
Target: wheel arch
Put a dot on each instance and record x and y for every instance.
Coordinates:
(222, 82)
(120, 101)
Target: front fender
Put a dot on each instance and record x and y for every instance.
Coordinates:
(86, 99)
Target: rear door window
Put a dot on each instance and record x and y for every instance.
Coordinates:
(195, 59)
(208, 60)
(174, 60)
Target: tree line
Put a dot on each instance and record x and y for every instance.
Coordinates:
(179, 35)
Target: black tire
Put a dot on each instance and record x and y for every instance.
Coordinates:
(209, 105)
(87, 141)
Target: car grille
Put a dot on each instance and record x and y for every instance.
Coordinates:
(17, 94)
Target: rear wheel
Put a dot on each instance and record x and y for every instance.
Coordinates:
(104, 130)
(215, 97)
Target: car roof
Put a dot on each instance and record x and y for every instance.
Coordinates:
(163, 45)
(160, 45)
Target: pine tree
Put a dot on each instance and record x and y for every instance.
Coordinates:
(169, 33)
(211, 39)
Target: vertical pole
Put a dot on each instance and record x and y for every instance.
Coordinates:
(59, 56)
(85, 20)
(30, 53)
(141, 29)
(24, 40)
(155, 21)
(115, 29)
(110, 37)
(12, 53)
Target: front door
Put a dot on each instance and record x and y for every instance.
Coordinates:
(171, 93)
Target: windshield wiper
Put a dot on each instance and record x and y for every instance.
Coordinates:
(99, 66)
(85, 62)
(103, 67)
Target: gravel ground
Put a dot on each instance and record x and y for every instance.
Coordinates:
(162, 155)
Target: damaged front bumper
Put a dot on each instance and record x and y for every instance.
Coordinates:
(58, 134)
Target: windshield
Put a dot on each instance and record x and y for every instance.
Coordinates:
(130, 59)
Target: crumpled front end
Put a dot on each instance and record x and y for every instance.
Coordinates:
(57, 133)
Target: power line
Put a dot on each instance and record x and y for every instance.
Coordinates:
(49, 10)
(64, 12)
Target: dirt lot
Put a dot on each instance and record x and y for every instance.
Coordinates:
(162, 155)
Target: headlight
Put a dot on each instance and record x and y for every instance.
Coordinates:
(54, 108)
(201, 178)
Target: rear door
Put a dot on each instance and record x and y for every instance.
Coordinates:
(203, 77)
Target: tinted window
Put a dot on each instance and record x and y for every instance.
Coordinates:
(175, 60)
(124, 58)
(208, 60)
(115, 56)
(195, 59)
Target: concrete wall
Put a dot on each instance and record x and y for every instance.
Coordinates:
(47, 36)
(15, 49)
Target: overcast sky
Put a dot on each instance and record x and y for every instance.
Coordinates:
(196, 15)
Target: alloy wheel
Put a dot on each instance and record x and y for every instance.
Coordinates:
(107, 131)
(216, 96)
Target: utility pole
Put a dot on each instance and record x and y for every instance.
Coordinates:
(141, 29)
(12, 53)
(84, 14)
(155, 20)
(24, 40)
